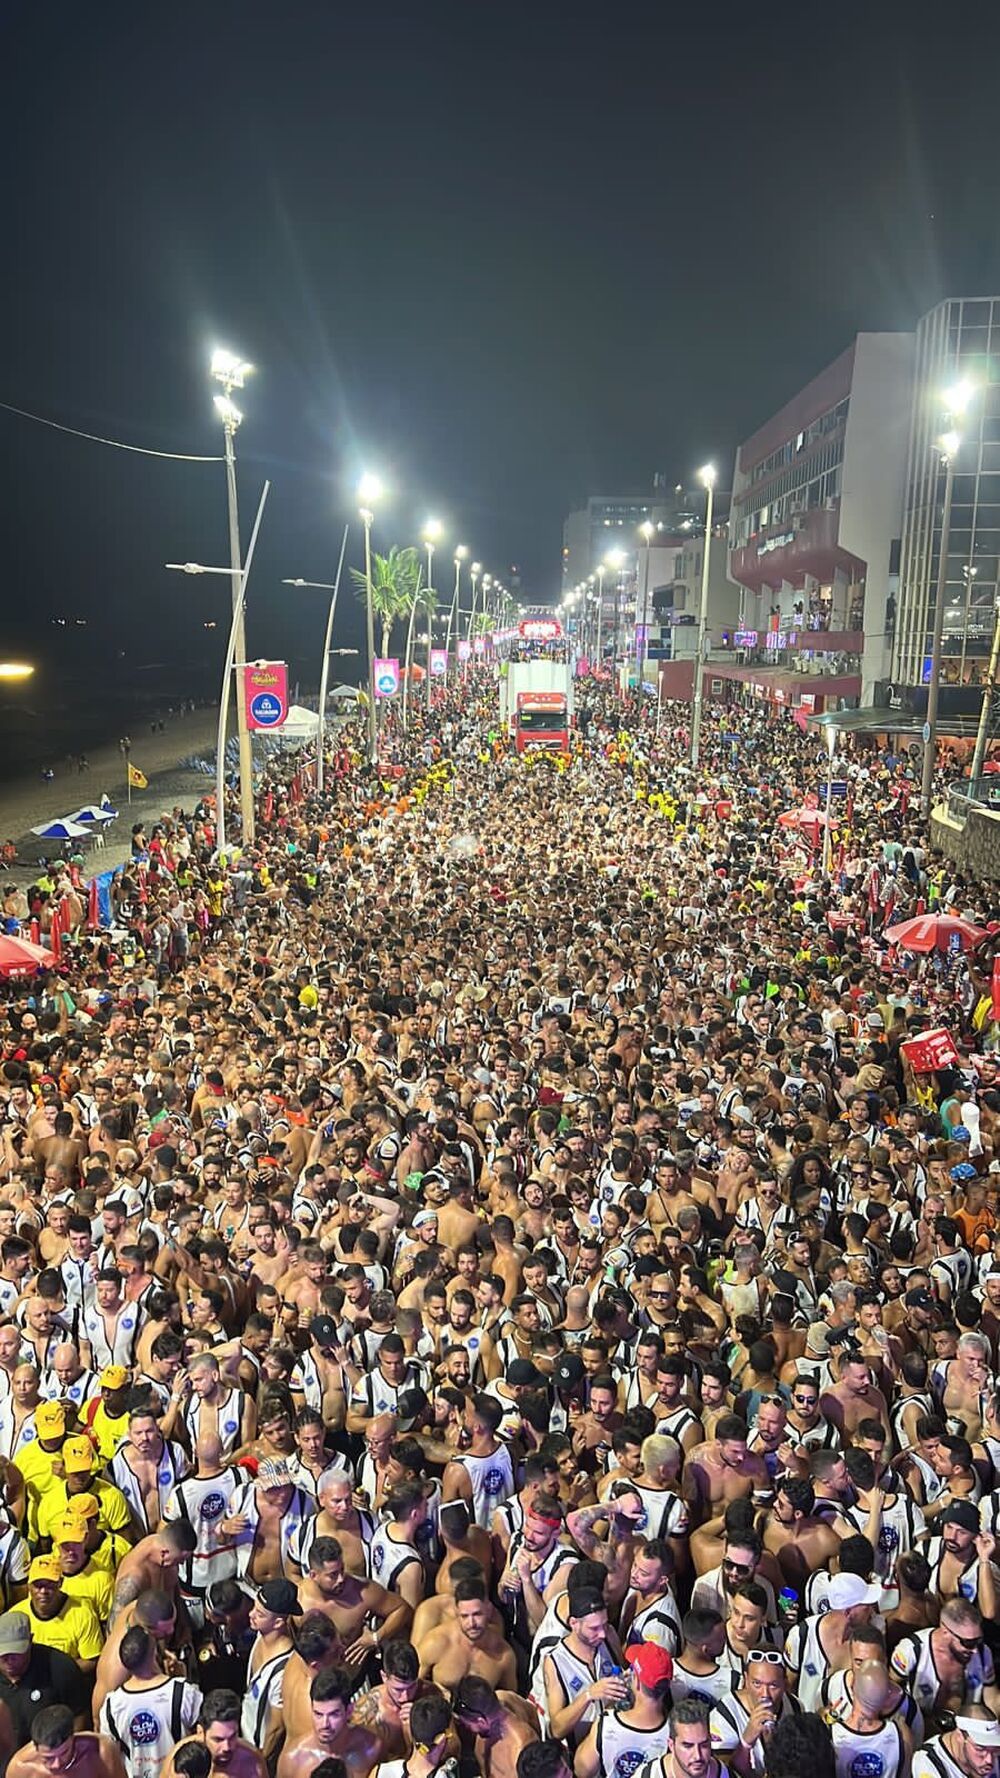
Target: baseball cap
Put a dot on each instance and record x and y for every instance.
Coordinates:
(323, 1329)
(650, 1663)
(15, 1633)
(83, 1506)
(45, 1568)
(280, 1597)
(846, 1590)
(423, 1217)
(521, 1372)
(983, 1732)
(567, 1371)
(919, 1299)
(963, 1513)
(114, 1376)
(78, 1457)
(50, 1419)
(963, 1172)
(273, 1472)
(71, 1528)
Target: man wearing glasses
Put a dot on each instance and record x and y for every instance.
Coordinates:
(741, 1724)
(715, 1590)
(807, 1428)
(949, 1668)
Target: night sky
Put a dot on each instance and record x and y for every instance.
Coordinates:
(508, 255)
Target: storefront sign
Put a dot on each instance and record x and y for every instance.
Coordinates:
(770, 543)
(745, 639)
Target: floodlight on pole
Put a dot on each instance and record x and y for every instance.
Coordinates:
(706, 475)
(369, 493)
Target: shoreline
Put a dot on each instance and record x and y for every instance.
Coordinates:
(27, 802)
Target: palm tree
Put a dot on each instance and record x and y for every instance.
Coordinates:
(396, 582)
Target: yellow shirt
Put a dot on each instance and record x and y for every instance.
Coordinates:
(112, 1513)
(36, 1466)
(110, 1551)
(95, 1586)
(108, 1433)
(74, 1630)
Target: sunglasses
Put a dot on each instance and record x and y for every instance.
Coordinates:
(773, 1657)
(736, 1567)
(967, 1641)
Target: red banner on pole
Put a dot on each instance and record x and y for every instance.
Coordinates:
(265, 686)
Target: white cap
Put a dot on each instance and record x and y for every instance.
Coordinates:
(985, 1732)
(846, 1590)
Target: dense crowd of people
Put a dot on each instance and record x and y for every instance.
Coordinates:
(484, 1288)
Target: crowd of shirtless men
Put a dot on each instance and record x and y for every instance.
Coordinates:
(495, 1304)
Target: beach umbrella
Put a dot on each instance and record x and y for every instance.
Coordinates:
(63, 829)
(93, 814)
(19, 957)
(935, 932)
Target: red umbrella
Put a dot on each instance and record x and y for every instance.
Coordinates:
(19, 957)
(934, 932)
(802, 818)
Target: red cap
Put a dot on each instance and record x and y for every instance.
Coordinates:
(650, 1663)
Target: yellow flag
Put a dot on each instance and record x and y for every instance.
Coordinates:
(137, 779)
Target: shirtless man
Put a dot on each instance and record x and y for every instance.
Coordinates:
(351, 1603)
(800, 1542)
(219, 1730)
(56, 1748)
(964, 1381)
(853, 1399)
(318, 1649)
(502, 1723)
(478, 1648)
(461, 1539)
(340, 1518)
(720, 1471)
(155, 1611)
(154, 1564)
(216, 1409)
(386, 1708)
(331, 1735)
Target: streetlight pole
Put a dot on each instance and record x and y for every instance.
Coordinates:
(707, 476)
(989, 690)
(327, 587)
(949, 445)
(230, 660)
(460, 554)
(647, 529)
(433, 530)
(231, 372)
(600, 615)
(368, 492)
(831, 746)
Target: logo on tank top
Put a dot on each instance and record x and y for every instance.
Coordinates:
(888, 1538)
(213, 1506)
(378, 1557)
(494, 1481)
(627, 1763)
(867, 1765)
(230, 1428)
(144, 1728)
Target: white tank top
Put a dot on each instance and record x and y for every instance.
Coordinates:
(622, 1750)
(878, 1755)
(492, 1480)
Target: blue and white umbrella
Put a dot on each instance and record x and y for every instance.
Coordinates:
(93, 814)
(63, 829)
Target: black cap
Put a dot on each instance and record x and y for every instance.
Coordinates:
(961, 1512)
(323, 1329)
(521, 1372)
(567, 1371)
(281, 1597)
(919, 1298)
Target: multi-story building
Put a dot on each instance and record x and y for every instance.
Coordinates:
(815, 522)
(958, 342)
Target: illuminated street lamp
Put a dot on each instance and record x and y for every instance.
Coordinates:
(333, 589)
(231, 372)
(369, 492)
(460, 554)
(11, 670)
(707, 478)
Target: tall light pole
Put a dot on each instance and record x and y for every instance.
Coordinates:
(460, 554)
(707, 478)
(232, 372)
(370, 490)
(989, 690)
(648, 530)
(227, 669)
(956, 401)
(433, 532)
(333, 588)
(830, 736)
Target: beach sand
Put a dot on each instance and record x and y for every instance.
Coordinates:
(27, 804)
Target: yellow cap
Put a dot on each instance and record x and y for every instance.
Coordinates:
(82, 1506)
(78, 1456)
(71, 1528)
(45, 1568)
(50, 1419)
(114, 1376)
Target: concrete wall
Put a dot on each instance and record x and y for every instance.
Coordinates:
(873, 477)
(974, 845)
